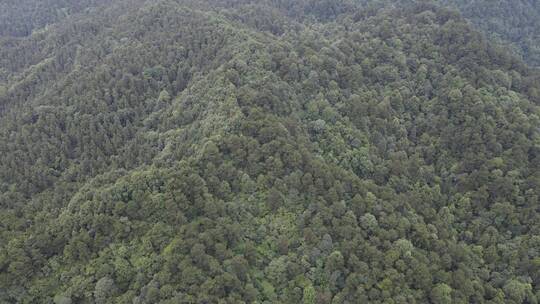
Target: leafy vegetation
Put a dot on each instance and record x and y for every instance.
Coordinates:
(512, 23)
(308, 151)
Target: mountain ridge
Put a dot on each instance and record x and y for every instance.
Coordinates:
(387, 155)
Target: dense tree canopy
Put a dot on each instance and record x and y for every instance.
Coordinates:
(514, 23)
(276, 151)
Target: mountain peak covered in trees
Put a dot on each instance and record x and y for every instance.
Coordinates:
(312, 151)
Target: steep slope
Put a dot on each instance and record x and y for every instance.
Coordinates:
(277, 152)
(514, 23)
(22, 17)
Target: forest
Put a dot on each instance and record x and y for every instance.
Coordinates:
(269, 151)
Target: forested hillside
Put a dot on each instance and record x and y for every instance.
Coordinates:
(514, 23)
(272, 151)
(22, 17)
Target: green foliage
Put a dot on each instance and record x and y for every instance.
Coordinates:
(309, 295)
(308, 151)
(516, 291)
(512, 23)
(441, 293)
